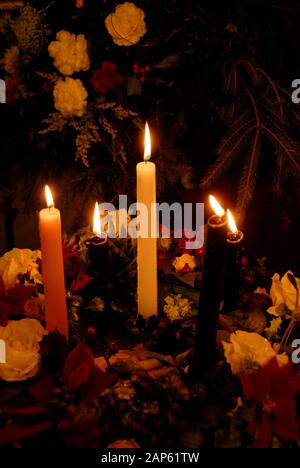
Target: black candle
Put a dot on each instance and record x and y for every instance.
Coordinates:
(210, 296)
(232, 269)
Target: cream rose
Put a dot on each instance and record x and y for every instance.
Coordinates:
(247, 351)
(22, 349)
(19, 261)
(126, 25)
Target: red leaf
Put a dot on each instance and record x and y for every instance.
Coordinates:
(15, 432)
(96, 384)
(78, 366)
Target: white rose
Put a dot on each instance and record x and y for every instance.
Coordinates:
(247, 351)
(22, 349)
(19, 261)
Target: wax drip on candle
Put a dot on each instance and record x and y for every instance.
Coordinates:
(147, 150)
(49, 197)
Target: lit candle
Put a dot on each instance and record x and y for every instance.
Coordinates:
(232, 269)
(147, 245)
(98, 251)
(53, 267)
(211, 293)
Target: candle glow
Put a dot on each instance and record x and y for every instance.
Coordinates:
(147, 150)
(217, 208)
(49, 197)
(231, 222)
(97, 223)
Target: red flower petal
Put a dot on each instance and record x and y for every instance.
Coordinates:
(284, 421)
(78, 366)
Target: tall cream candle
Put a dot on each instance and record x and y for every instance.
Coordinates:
(53, 268)
(147, 246)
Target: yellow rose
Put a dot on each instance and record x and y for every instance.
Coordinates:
(247, 351)
(283, 293)
(19, 261)
(126, 25)
(22, 348)
(69, 53)
(70, 97)
(10, 60)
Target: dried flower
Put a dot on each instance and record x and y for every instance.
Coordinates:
(30, 30)
(164, 243)
(177, 307)
(10, 60)
(126, 25)
(124, 391)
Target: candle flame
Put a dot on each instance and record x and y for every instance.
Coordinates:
(147, 151)
(97, 222)
(49, 197)
(219, 211)
(231, 222)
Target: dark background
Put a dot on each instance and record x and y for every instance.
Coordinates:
(187, 46)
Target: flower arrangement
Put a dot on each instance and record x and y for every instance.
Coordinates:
(100, 383)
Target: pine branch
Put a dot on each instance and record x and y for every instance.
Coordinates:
(248, 178)
(224, 161)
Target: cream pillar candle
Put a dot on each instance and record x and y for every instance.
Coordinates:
(53, 268)
(147, 246)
